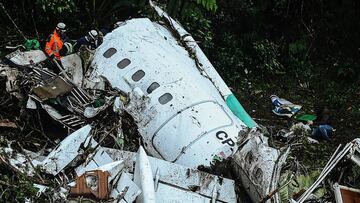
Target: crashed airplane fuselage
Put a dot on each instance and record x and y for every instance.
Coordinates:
(180, 115)
(184, 111)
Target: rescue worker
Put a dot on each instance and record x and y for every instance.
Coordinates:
(91, 41)
(56, 41)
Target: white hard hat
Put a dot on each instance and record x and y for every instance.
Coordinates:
(93, 34)
(61, 26)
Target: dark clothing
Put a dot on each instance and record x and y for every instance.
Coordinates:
(323, 116)
(322, 129)
(102, 34)
(104, 31)
(64, 51)
(84, 41)
(323, 132)
(65, 38)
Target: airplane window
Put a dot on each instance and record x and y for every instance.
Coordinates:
(123, 63)
(108, 53)
(138, 75)
(165, 98)
(152, 87)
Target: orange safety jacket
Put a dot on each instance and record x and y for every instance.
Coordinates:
(53, 45)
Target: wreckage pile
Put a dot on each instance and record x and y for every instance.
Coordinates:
(90, 150)
(29, 76)
(82, 168)
(98, 161)
(79, 166)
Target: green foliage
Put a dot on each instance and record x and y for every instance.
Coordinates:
(16, 188)
(101, 11)
(266, 56)
(355, 176)
(347, 70)
(200, 27)
(297, 48)
(334, 94)
(56, 7)
(229, 59)
(297, 184)
(180, 8)
(210, 5)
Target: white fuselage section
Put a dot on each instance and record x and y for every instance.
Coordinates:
(180, 114)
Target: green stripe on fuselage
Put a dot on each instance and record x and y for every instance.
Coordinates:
(239, 111)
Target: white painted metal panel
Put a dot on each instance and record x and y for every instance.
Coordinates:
(26, 58)
(73, 66)
(100, 158)
(126, 187)
(195, 122)
(168, 194)
(216, 144)
(182, 177)
(143, 177)
(66, 151)
(258, 166)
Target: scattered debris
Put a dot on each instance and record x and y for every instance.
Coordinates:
(31, 104)
(7, 124)
(295, 185)
(334, 160)
(283, 107)
(53, 88)
(41, 189)
(92, 184)
(259, 165)
(27, 58)
(67, 151)
(305, 117)
(297, 131)
(345, 194)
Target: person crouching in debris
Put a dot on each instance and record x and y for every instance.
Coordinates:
(322, 125)
(90, 41)
(56, 41)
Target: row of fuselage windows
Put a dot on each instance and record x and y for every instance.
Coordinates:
(138, 75)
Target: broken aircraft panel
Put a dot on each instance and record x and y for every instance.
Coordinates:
(345, 194)
(67, 151)
(143, 177)
(53, 88)
(26, 58)
(182, 182)
(92, 183)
